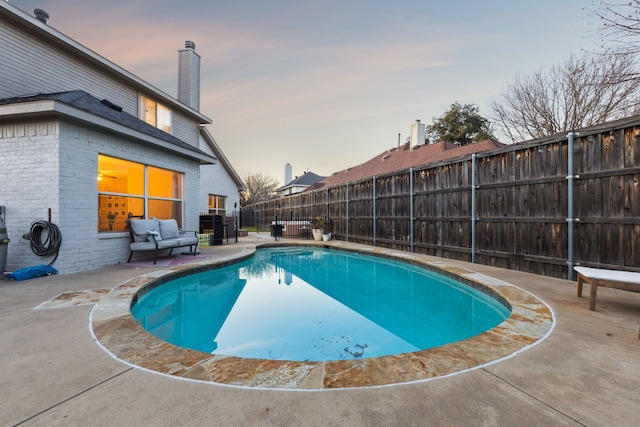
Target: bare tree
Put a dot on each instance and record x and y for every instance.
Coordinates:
(260, 188)
(619, 26)
(583, 91)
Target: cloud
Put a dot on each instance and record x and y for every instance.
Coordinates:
(320, 81)
(344, 75)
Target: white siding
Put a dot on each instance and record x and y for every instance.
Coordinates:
(189, 78)
(31, 66)
(214, 179)
(185, 129)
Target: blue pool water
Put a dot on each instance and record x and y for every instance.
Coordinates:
(315, 304)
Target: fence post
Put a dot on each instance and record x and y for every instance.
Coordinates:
(373, 197)
(326, 210)
(570, 219)
(474, 186)
(411, 216)
(347, 212)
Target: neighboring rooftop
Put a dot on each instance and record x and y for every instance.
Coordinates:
(300, 184)
(307, 178)
(405, 157)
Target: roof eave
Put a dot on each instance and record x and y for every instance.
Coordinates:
(45, 32)
(50, 107)
(206, 135)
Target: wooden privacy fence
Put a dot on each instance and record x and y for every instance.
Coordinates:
(540, 206)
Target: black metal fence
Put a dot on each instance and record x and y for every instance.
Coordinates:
(217, 229)
(285, 226)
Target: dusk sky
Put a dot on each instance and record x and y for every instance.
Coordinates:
(324, 85)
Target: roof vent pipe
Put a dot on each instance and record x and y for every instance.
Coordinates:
(41, 15)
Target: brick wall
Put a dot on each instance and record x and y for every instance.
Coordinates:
(28, 183)
(53, 165)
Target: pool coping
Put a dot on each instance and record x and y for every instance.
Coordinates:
(117, 332)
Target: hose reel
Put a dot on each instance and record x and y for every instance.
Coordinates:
(45, 238)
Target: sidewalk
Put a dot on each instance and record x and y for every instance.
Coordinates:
(587, 372)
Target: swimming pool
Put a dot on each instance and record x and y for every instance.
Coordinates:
(316, 304)
(119, 334)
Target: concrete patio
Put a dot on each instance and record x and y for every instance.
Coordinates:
(586, 372)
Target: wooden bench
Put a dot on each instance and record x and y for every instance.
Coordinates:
(625, 280)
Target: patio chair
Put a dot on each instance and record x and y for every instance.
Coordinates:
(625, 280)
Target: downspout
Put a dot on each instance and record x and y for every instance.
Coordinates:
(570, 218)
(411, 216)
(474, 186)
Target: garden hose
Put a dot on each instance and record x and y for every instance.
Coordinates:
(52, 242)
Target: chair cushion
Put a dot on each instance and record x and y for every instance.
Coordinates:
(149, 246)
(168, 228)
(187, 241)
(141, 228)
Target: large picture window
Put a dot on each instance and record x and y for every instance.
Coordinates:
(155, 114)
(217, 204)
(128, 188)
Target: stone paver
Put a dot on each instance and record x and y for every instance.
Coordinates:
(586, 372)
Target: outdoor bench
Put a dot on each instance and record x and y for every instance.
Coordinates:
(625, 280)
(159, 234)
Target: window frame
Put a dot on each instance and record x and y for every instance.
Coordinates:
(215, 209)
(160, 113)
(114, 199)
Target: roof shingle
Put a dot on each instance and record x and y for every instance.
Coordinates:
(405, 157)
(84, 101)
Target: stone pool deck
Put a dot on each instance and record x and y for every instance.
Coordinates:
(52, 372)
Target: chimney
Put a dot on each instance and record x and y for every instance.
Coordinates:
(41, 15)
(287, 173)
(417, 134)
(189, 76)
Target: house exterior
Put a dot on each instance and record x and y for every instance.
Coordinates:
(299, 184)
(416, 152)
(85, 143)
(220, 185)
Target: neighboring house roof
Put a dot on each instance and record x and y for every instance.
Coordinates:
(40, 104)
(304, 180)
(405, 157)
(206, 135)
(15, 14)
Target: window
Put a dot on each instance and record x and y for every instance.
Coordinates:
(155, 114)
(217, 204)
(143, 191)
